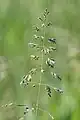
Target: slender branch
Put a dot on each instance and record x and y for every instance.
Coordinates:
(42, 84)
(47, 113)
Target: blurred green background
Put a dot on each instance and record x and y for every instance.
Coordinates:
(17, 18)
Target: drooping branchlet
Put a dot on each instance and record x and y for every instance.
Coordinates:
(52, 40)
(49, 24)
(32, 45)
(48, 89)
(58, 90)
(26, 79)
(56, 76)
(40, 19)
(33, 57)
(50, 62)
(37, 29)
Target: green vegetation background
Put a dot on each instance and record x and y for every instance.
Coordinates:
(17, 18)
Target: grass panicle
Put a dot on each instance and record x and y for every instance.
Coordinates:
(44, 57)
